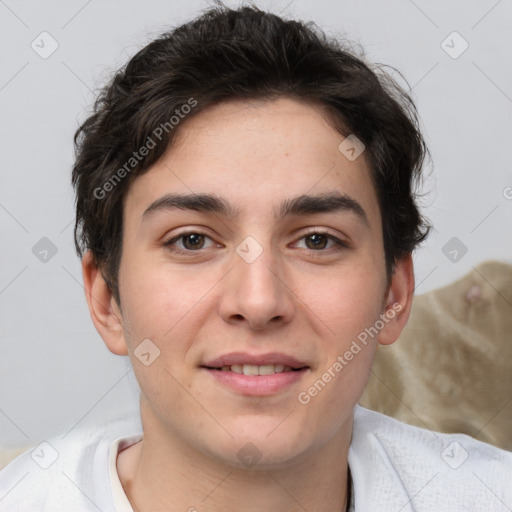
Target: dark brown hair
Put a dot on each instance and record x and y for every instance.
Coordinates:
(245, 53)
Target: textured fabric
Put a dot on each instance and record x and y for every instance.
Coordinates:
(395, 467)
(76, 472)
(450, 369)
(398, 467)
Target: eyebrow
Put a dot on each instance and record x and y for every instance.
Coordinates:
(300, 205)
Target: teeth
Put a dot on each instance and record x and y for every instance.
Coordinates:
(252, 369)
(267, 369)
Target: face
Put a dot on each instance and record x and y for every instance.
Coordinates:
(261, 277)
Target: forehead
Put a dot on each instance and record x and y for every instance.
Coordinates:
(255, 154)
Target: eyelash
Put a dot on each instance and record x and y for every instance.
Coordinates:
(338, 247)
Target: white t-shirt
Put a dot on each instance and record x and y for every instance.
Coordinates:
(395, 468)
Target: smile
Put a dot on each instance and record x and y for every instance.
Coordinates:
(252, 380)
(252, 369)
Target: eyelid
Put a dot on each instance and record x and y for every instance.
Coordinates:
(168, 242)
(340, 242)
(324, 231)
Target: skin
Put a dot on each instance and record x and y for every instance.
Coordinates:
(294, 298)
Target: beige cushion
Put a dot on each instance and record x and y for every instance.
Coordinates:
(451, 369)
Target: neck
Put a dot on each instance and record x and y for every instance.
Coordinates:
(173, 476)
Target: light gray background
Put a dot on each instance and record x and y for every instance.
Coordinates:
(54, 369)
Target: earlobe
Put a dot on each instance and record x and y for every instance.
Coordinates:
(398, 301)
(104, 311)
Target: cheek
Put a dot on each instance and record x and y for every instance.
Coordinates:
(349, 307)
(168, 307)
(156, 298)
(347, 301)
(157, 309)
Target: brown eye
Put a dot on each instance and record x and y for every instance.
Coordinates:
(189, 242)
(193, 241)
(317, 241)
(322, 243)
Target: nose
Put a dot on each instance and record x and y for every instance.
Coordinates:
(256, 293)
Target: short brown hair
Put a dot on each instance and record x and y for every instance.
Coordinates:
(241, 53)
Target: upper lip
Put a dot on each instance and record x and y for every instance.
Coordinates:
(254, 359)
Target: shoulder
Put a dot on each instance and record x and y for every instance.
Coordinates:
(450, 471)
(68, 472)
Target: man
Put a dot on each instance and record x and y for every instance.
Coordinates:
(246, 216)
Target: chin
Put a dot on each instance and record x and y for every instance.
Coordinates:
(263, 448)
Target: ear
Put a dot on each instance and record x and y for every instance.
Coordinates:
(105, 312)
(398, 301)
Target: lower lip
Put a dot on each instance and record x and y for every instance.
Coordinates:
(257, 385)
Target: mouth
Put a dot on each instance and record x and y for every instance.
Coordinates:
(256, 375)
(253, 369)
